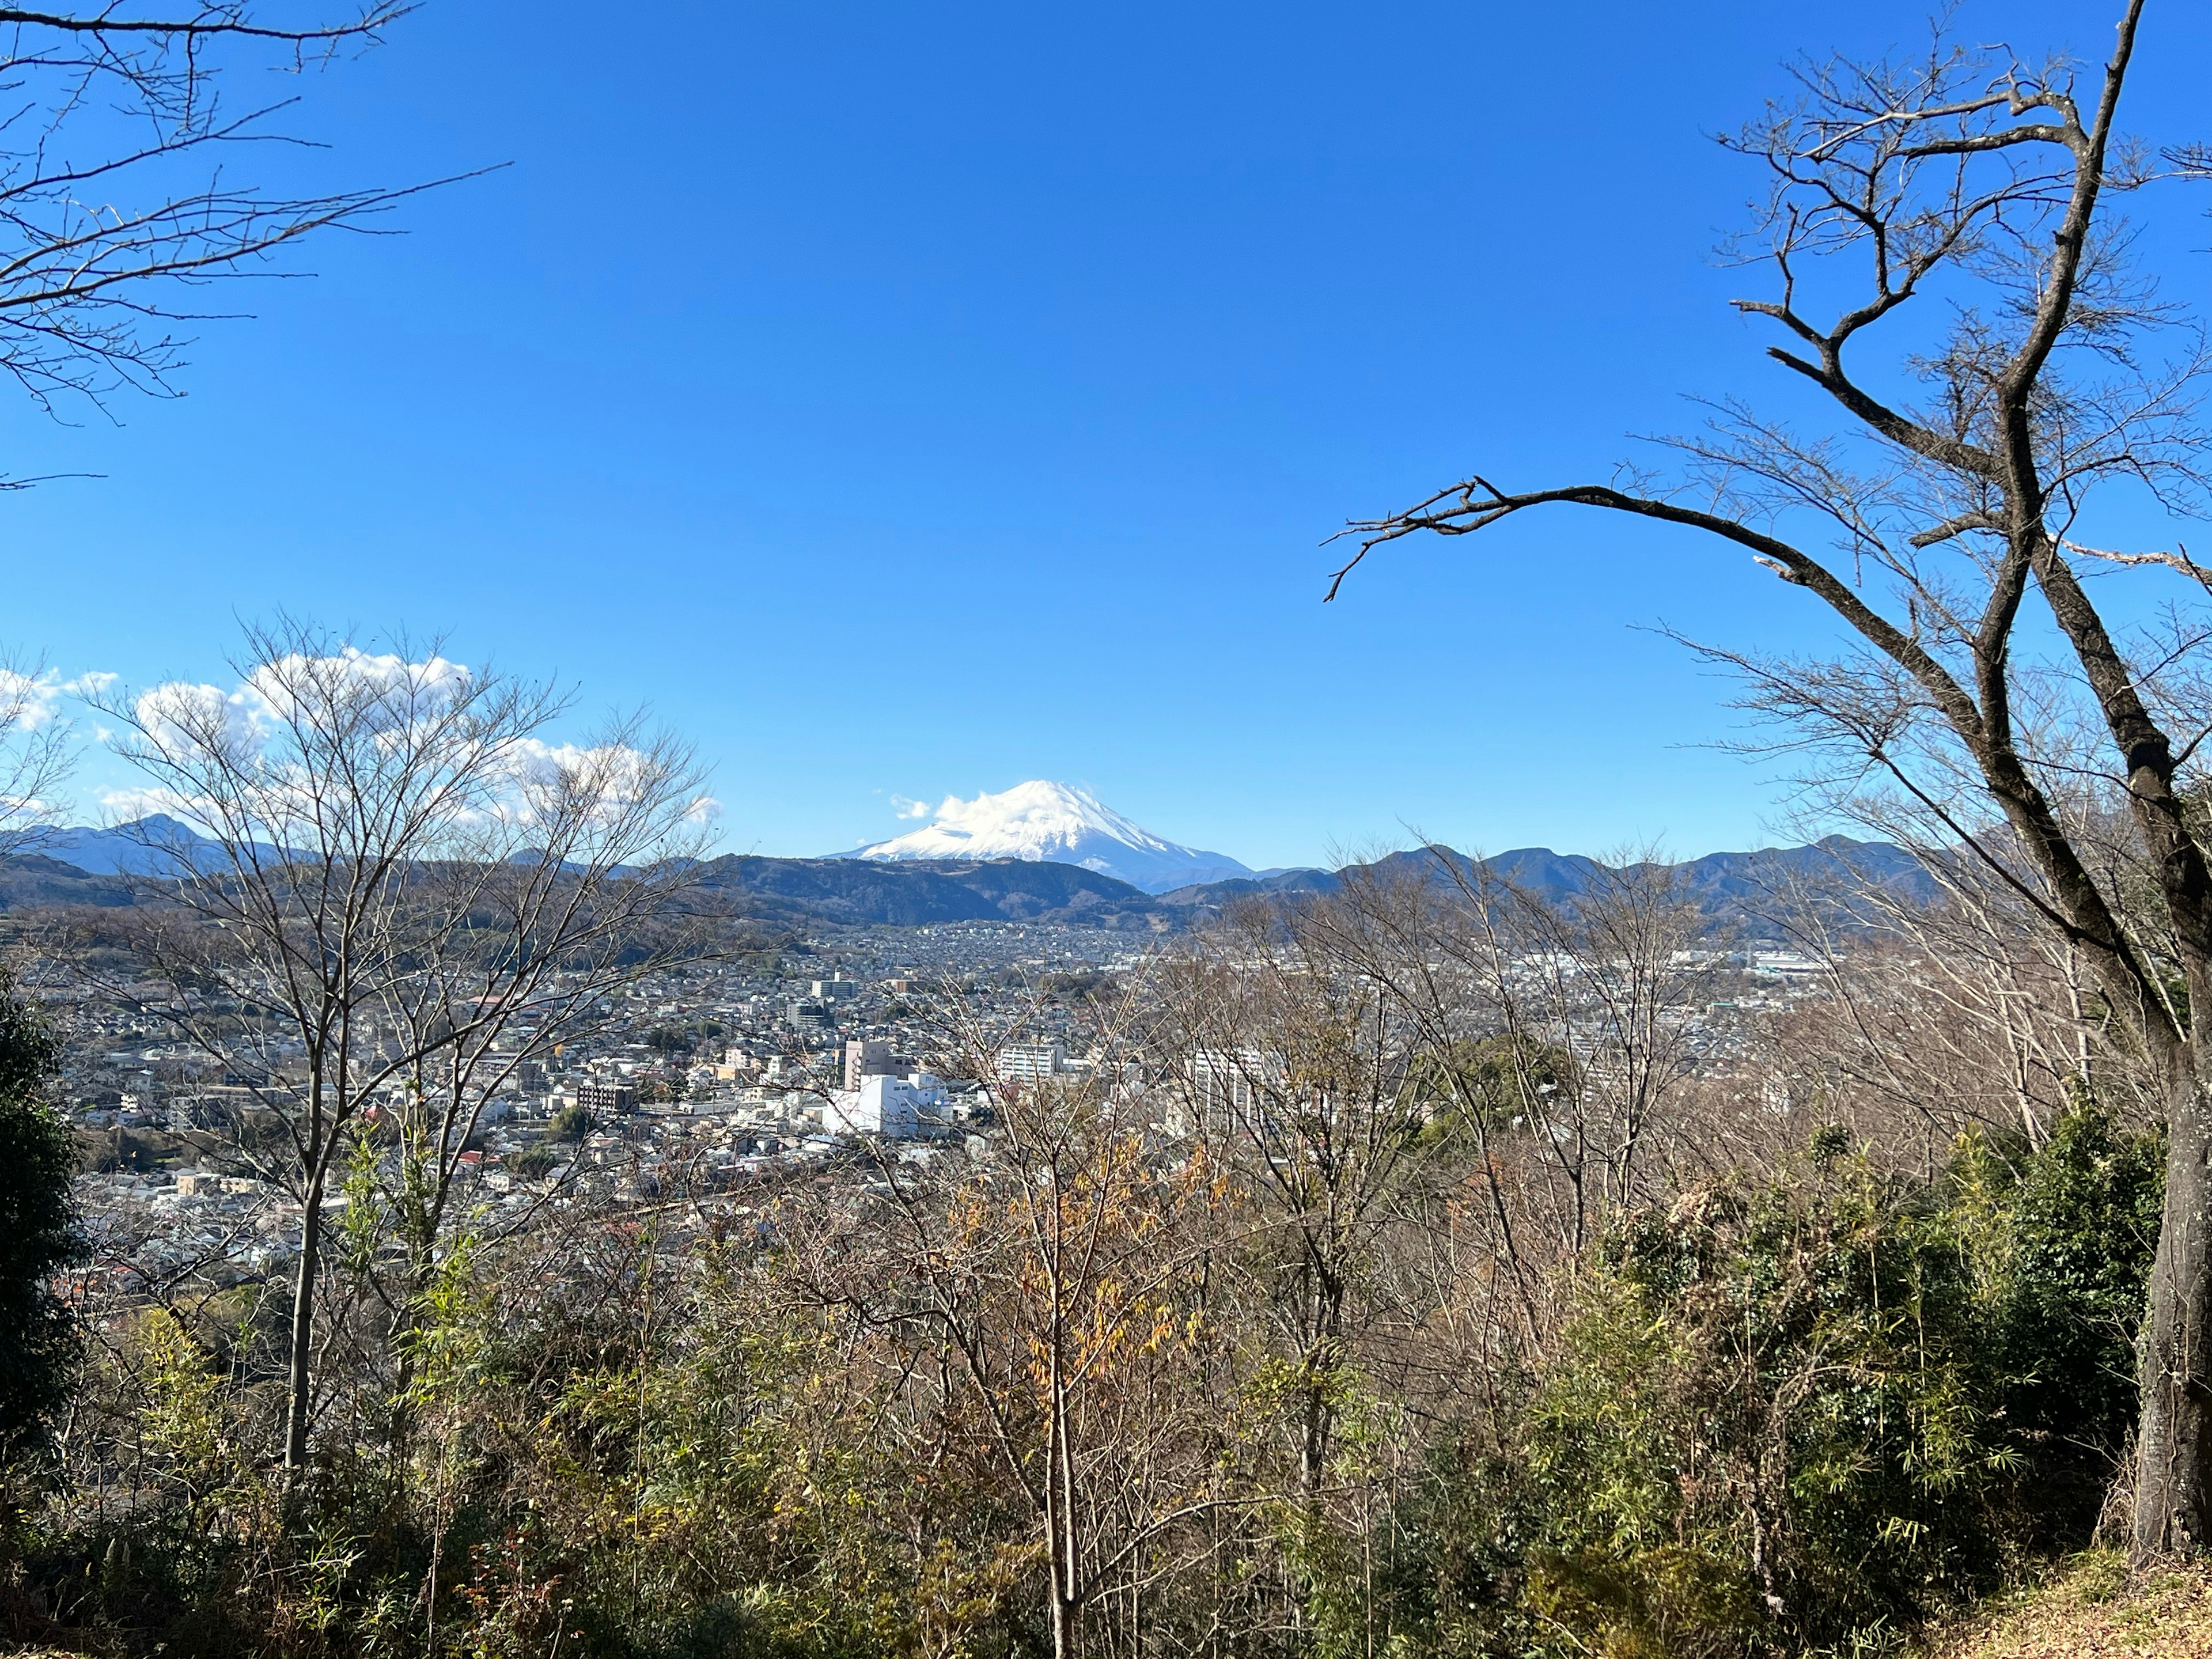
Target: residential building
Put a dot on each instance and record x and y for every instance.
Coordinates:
(875, 1057)
(897, 1109)
(607, 1099)
(1027, 1062)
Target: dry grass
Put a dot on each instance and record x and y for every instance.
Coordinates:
(2093, 1610)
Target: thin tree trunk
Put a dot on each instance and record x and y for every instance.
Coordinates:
(299, 1398)
(1069, 1606)
(2173, 1484)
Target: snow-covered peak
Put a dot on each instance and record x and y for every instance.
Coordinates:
(1060, 824)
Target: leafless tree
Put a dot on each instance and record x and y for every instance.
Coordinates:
(1944, 1011)
(1612, 979)
(1301, 1071)
(118, 197)
(417, 891)
(1556, 1030)
(1042, 1303)
(2056, 385)
(35, 754)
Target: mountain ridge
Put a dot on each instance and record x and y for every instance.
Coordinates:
(915, 893)
(1718, 882)
(911, 891)
(151, 845)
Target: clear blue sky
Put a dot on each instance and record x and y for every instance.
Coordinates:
(913, 400)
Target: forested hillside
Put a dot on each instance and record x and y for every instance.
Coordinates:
(1402, 1277)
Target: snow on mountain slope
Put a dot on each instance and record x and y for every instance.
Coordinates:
(1055, 824)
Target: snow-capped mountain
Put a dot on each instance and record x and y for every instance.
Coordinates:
(1053, 822)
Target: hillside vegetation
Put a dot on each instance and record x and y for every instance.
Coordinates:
(2094, 1610)
(1368, 1292)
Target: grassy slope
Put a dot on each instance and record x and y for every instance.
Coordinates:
(2093, 1612)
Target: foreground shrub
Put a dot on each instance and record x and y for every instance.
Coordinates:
(1814, 1410)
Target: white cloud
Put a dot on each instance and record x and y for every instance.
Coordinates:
(409, 689)
(523, 782)
(909, 809)
(612, 766)
(180, 719)
(93, 683)
(386, 691)
(127, 805)
(552, 780)
(27, 700)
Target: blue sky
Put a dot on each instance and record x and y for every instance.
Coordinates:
(913, 400)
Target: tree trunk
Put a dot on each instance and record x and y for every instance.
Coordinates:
(298, 1398)
(2174, 1438)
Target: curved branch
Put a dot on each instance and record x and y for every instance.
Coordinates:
(1479, 512)
(1902, 430)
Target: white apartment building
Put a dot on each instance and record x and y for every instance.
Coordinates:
(895, 1108)
(1027, 1062)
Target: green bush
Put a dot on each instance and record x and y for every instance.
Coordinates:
(1814, 1410)
(533, 1162)
(2083, 1228)
(38, 1233)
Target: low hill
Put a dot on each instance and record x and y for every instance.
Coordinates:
(789, 891)
(32, 881)
(922, 893)
(155, 845)
(1730, 888)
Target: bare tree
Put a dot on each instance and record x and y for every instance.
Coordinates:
(35, 754)
(408, 893)
(1045, 1306)
(117, 197)
(1944, 1012)
(1299, 1068)
(1556, 1033)
(1977, 181)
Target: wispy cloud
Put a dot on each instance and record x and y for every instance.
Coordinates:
(907, 808)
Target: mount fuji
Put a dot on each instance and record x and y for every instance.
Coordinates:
(1056, 824)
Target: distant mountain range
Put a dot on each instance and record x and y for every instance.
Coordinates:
(1726, 886)
(1039, 822)
(154, 845)
(96, 867)
(909, 890)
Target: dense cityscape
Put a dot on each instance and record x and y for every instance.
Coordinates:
(709, 1084)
